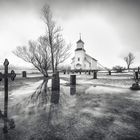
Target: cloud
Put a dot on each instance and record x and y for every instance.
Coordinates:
(21, 22)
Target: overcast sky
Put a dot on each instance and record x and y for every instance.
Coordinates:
(109, 28)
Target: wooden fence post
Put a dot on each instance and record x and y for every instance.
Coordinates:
(55, 88)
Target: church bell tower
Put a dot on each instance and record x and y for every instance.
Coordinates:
(79, 54)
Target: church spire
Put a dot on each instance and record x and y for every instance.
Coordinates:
(80, 40)
(80, 35)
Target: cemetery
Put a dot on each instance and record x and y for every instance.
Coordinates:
(78, 106)
(69, 70)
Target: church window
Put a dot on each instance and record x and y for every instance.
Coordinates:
(78, 59)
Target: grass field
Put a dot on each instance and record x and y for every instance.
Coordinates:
(101, 109)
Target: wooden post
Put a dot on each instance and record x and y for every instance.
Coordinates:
(136, 77)
(73, 80)
(55, 88)
(72, 89)
(89, 72)
(138, 69)
(95, 74)
(109, 72)
(72, 84)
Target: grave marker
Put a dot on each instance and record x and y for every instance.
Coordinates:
(5, 76)
(24, 74)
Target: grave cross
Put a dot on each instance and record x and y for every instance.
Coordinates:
(5, 76)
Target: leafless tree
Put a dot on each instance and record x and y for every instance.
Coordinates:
(45, 53)
(53, 38)
(129, 59)
(37, 53)
(61, 51)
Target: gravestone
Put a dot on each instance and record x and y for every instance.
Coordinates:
(24, 74)
(55, 88)
(136, 86)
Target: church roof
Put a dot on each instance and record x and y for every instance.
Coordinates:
(86, 58)
(80, 41)
(91, 57)
(78, 49)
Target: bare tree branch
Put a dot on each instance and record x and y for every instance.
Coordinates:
(49, 50)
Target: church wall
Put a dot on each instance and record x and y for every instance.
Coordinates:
(80, 45)
(86, 65)
(79, 58)
(72, 65)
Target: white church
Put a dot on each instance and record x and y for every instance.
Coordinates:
(81, 60)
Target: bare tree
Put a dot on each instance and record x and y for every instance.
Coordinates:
(37, 54)
(61, 51)
(54, 39)
(51, 31)
(129, 59)
(45, 53)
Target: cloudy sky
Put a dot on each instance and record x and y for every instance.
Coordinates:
(109, 28)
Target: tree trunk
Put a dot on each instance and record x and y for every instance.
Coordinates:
(50, 40)
(128, 67)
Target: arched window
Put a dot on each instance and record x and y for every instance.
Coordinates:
(78, 66)
(78, 59)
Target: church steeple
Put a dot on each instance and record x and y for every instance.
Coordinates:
(80, 44)
(80, 40)
(80, 35)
